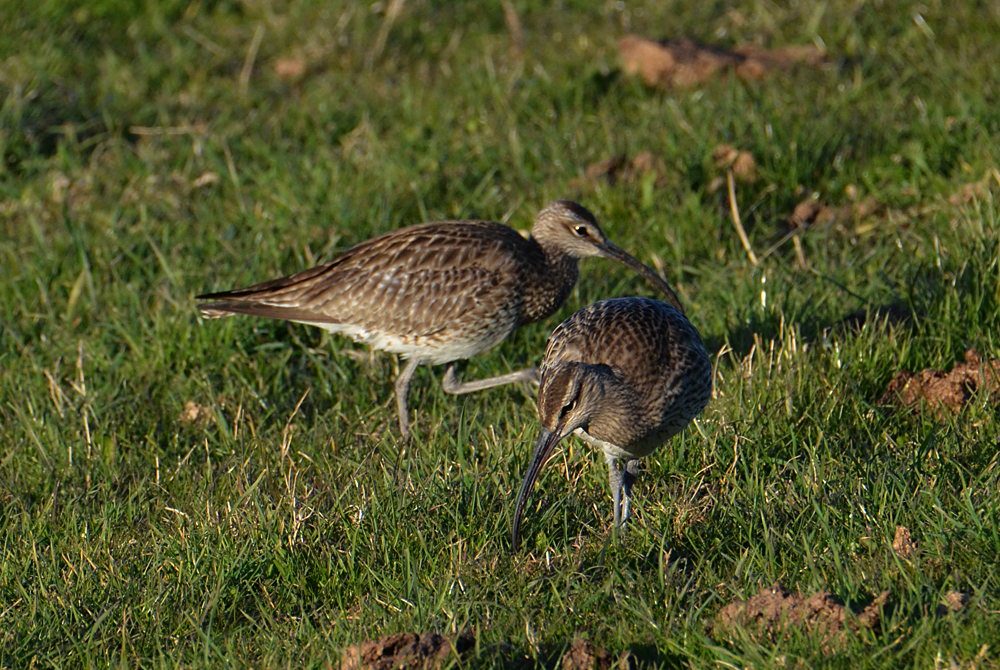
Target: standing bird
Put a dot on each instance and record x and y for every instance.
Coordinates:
(625, 375)
(439, 292)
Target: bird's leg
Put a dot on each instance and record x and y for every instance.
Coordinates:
(402, 392)
(630, 474)
(615, 476)
(452, 385)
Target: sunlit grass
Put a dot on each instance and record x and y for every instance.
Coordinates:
(235, 491)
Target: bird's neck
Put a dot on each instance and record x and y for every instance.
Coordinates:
(554, 278)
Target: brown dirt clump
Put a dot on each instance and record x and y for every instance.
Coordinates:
(206, 179)
(289, 68)
(583, 655)
(408, 651)
(745, 167)
(684, 62)
(902, 542)
(945, 390)
(742, 163)
(812, 212)
(774, 611)
(953, 601)
(194, 413)
(621, 168)
(859, 217)
(977, 190)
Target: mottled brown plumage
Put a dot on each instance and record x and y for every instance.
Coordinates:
(625, 375)
(439, 292)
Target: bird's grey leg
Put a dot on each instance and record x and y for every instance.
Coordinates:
(615, 477)
(452, 385)
(630, 474)
(402, 392)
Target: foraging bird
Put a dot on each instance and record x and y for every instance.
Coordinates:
(439, 292)
(625, 375)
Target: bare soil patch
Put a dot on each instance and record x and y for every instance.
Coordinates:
(811, 212)
(583, 655)
(684, 62)
(194, 413)
(775, 611)
(405, 651)
(902, 542)
(945, 391)
(980, 190)
(291, 68)
(953, 601)
(622, 168)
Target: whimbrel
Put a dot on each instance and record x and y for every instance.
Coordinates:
(625, 375)
(439, 292)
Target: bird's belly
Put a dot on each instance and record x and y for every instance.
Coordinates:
(434, 348)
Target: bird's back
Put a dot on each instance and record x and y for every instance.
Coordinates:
(652, 348)
(442, 284)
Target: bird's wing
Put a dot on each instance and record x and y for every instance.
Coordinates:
(412, 282)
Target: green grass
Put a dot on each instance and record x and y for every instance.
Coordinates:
(262, 535)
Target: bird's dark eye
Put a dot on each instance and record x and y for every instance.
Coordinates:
(581, 231)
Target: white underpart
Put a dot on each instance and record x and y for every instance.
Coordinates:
(429, 352)
(610, 450)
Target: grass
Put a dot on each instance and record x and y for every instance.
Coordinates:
(284, 523)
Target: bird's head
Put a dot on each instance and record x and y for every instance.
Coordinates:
(570, 227)
(573, 230)
(569, 396)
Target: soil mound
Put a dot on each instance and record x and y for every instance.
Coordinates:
(684, 62)
(405, 650)
(902, 542)
(945, 390)
(774, 611)
(583, 655)
(622, 168)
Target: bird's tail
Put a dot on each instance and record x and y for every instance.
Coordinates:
(216, 310)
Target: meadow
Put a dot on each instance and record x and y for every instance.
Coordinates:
(234, 493)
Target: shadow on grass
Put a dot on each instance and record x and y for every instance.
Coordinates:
(581, 654)
(768, 326)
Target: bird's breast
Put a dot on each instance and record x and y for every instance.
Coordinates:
(639, 449)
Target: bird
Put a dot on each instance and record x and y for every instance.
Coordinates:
(439, 292)
(625, 375)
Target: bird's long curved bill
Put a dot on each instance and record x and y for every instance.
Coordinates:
(615, 253)
(547, 441)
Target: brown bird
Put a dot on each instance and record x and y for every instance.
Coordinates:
(625, 375)
(439, 292)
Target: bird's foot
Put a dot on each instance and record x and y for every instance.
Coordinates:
(405, 436)
(621, 489)
(402, 393)
(452, 385)
(629, 475)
